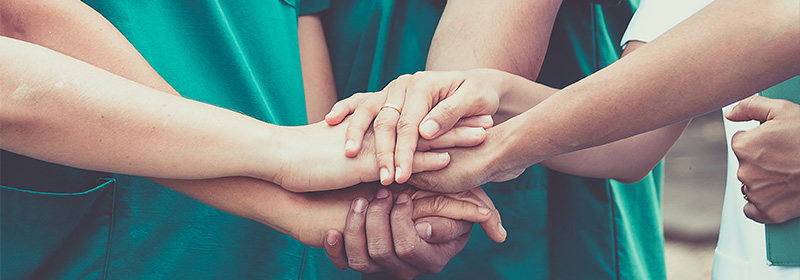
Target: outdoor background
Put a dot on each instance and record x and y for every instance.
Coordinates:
(694, 184)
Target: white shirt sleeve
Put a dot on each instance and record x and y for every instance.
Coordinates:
(654, 17)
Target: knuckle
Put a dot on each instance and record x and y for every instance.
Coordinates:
(741, 145)
(784, 105)
(360, 265)
(383, 124)
(439, 204)
(384, 155)
(447, 110)
(380, 252)
(405, 125)
(744, 175)
(406, 250)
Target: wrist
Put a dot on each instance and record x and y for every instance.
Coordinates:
(268, 151)
(516, 151)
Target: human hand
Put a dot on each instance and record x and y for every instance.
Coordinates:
(384, 237)
(471, 167)
(428, 104)
(769, 158)
(311, 159)
(317, 212)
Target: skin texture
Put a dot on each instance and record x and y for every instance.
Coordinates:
(769, 158)
(486, 91)
(292, 213)
(507, 35)
(667, 81)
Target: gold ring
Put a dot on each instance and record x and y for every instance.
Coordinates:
(395, 107)
(746, 198)
(744, 188)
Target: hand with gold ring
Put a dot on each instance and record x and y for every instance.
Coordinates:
(368, 109)
(769, 158)
(392, 106)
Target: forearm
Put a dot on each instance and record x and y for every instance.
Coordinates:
(304, 216)
(714, 58)
(318, 84)
(506, 35)
(626, 160)
(62, 110)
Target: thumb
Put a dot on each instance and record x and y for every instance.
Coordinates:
(752, 108)
(440, 230)
(444, 115)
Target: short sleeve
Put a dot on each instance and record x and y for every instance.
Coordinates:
(307, 7)
(654, 17)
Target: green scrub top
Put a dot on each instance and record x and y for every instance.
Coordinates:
(560, 226)
(64, 223)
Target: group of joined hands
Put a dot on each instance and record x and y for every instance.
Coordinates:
(423, 124)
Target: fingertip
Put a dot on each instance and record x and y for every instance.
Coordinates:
(332, 238)
(385, 176)
(486, 121)
(424, 230)
(429, 128)
(503, 233)
(399, 176)
(334, 117)
(402, 199)
(351, 148)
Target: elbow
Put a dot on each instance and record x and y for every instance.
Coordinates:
(21, 19)
(629, 179)
(634, 175)
(12, 18)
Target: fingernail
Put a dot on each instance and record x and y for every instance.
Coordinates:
(403, 198)
(424, 230)
(483, 210)
(429, 128)
(349, 144)
(332, 240)
(384, 174)
(382, 193)
(444, 157)
(329, 114)
(360, 206)
(503, 230)
(486, 120)
(397, 172)
(476, 131)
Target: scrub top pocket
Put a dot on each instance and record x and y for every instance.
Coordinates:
(47, 235)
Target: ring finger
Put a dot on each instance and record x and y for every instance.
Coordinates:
(386, 129)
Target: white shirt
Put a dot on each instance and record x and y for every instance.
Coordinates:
(741, 248)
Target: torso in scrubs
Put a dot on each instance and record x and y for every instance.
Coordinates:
(77, 224)
(560, 226)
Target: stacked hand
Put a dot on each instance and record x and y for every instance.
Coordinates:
(416, 109)
(769, 158)
(387, 234)
(314, 161)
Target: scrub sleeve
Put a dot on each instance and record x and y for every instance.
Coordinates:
(556, 222)
(240, 55)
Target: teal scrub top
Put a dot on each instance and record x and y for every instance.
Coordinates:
(560, 226)
(65, 223)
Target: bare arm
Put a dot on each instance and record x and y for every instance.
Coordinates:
(63, 110)
(626, 160)
(317, 73)
(506, 35)
(247, 197)
(723, 53)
